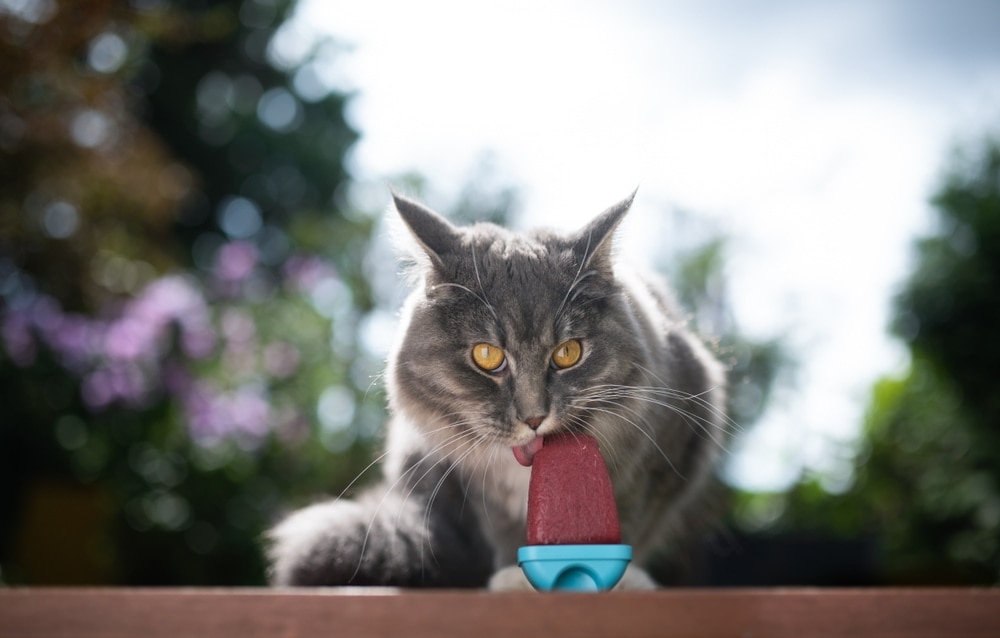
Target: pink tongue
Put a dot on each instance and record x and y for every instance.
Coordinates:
(525, 454)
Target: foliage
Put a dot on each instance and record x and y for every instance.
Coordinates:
(83, 180)
(949, 309)
(697, 272)
(182, 292)
(927, 475)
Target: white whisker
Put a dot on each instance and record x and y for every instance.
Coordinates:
(403, 476)
(662, 394)
(437, 487)
(482, 291)
(640, 429)
(702, 426)
(577, 279)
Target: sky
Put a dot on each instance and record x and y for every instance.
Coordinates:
(810, 133)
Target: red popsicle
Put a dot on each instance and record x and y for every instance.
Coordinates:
(570, 499)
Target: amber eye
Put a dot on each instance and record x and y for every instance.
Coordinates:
(568, 354)
(489, 358)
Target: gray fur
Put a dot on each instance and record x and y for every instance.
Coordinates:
(450, 510)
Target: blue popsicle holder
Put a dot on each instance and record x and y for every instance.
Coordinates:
(575, 568)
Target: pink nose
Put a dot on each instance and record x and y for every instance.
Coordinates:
(534, 422)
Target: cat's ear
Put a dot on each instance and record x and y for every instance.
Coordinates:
(595, 241)
(436, 236)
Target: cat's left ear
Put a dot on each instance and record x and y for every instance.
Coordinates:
(436, 235)
(594, 242)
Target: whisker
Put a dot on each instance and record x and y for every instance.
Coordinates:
(381, 457)
(700, 425)
(577, 279)
(467, 434)
(479, 280)
(375, 462)
(477, 441)
(602, 437)
(403, 476)
(711, 407)
(471, 292)
(371, 384)
(640, 429)
(726, 424)
(486, 468)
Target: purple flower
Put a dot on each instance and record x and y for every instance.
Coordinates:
(243, 415)
(130, 338)
(249, 412)
(96, 390)
(281, 359)
(115, 382)
(290, 425)
(35, 319)
(145, 324)
(238, 326)
(18, 340)
(127, 359)
(303, 272)
(77, 341)
(199, 407)
(177, 381)
(46, 315)
(198, 341)
(235, 261)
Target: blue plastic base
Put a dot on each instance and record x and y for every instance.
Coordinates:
(574, 567)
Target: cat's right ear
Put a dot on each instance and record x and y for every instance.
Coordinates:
(437, 237)
(594, 242)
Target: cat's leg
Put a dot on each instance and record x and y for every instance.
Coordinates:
(414, 537)
(636, 578)
(510, 578)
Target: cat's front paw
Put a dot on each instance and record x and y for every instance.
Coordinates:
(636, 578)
(510, 578)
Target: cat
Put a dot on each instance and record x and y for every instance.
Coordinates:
(507, 338)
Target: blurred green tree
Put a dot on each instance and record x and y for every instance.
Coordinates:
(695, 265)
(182, 290)
(80, 174)
(927, 474)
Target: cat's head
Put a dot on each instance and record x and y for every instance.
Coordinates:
(506, 333)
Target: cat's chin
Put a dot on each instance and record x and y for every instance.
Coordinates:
(525, 454)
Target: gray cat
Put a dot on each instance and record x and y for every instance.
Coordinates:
(505, 339)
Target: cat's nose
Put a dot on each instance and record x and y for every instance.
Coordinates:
(535, 421)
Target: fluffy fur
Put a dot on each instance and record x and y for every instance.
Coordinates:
(450, 509)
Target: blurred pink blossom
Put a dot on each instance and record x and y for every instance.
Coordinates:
(18, 341)
(303, 272)
(235, 261)
(144, 349)
(281, 359)
(214, 416)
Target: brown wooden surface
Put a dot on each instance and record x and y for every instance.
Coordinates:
(247, 613)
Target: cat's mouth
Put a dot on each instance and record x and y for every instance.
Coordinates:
(525, 454)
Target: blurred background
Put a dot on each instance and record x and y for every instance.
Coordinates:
(197, 293)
